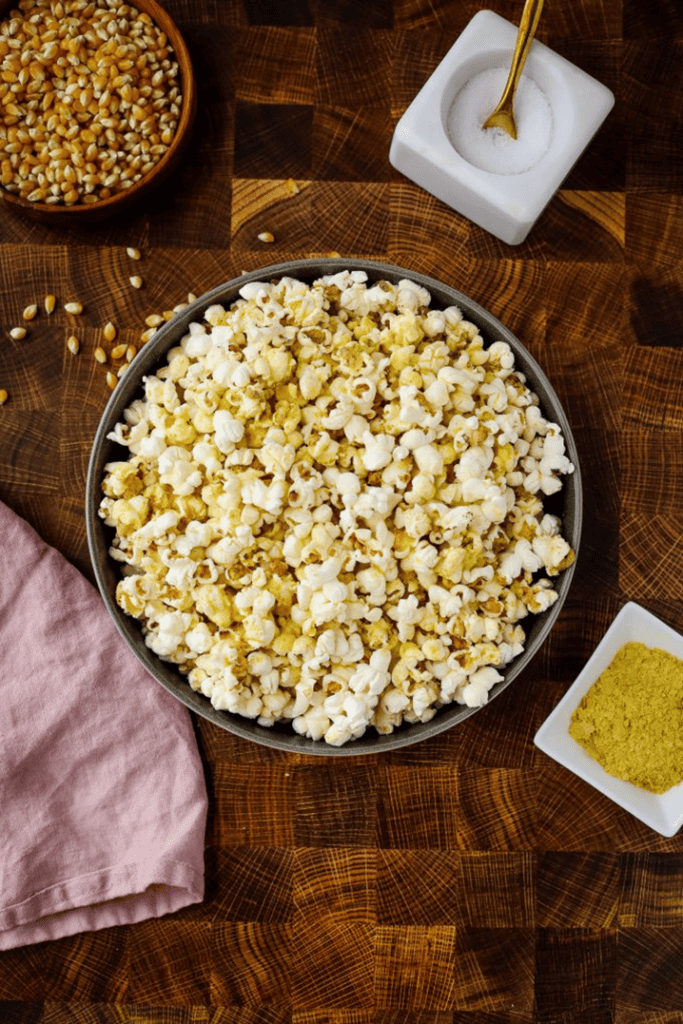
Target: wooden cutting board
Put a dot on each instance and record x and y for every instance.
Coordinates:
(468, 878)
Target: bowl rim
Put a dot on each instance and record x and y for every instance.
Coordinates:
(104, 450)
(116, 202)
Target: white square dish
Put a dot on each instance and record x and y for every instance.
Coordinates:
(506, 205)
(663, 812)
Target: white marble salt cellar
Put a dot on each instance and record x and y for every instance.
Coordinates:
(506, 204)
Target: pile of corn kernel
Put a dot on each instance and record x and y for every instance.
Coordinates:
(90, 99)
(332, 509)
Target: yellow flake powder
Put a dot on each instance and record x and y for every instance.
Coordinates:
(631, 719)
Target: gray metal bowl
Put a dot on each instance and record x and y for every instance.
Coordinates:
(567, 504)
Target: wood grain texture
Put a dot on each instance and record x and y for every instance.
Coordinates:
(469, 879)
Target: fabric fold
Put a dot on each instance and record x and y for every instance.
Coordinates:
(102, 795)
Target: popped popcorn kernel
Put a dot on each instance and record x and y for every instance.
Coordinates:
(331, 513)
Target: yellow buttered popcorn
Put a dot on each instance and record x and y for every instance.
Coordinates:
(332, 511)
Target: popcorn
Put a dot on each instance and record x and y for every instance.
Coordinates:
(332, 512)
(428, 460)
(199, 639)
(228, 431)
(475, 693)
(378, 450)
(170, 631)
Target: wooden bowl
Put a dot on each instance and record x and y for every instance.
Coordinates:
(80, 213)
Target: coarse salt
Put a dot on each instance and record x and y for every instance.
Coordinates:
(492, 149)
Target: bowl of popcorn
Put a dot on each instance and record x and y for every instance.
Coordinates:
(97, 105)
(334, 506)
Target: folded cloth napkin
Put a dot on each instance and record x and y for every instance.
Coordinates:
(102, 793)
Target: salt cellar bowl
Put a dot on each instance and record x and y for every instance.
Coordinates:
(499, 183)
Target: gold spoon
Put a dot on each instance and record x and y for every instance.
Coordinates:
(503, 116)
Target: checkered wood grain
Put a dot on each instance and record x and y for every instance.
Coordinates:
(469, 879)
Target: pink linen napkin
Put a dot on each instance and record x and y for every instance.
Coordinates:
(102, 793)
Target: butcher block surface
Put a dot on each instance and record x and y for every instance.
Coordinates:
(468, 879)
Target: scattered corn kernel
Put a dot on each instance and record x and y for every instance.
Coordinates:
(134, 254)
(50, 301)
(109, 331)
(73, 307)
(3, 396)
(136, 281)
(18, 333)
(266, 236)
(191, 297)
(30, 312)
(119, 351)
(131, 353)
(292, 186)
(146, 335)
(112, 380)
(100, 354)
(154, 320)
(73, 345)
(122, 369)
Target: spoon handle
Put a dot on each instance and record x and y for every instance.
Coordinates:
(525, 35)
